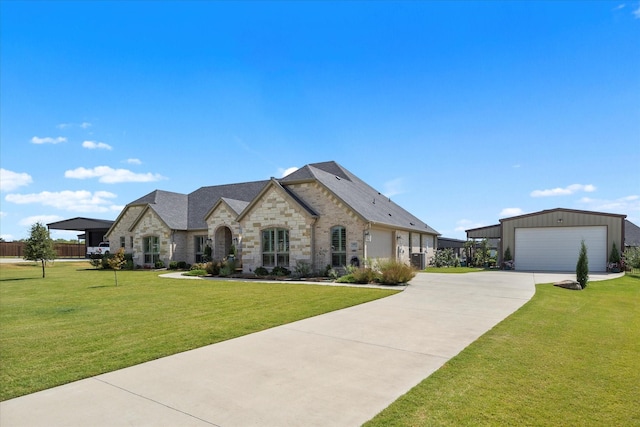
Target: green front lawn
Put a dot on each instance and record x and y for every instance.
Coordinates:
(565, 358)
(76, 323)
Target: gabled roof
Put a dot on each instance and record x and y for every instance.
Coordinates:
(631, 234)
(189, 212)
(171, 207)
(203, 199)
(370, 204)
(275, 184)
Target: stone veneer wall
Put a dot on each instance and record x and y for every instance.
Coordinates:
(223, 216)
(121, 228)
(274, 209)
(331, 212)
(151, 225)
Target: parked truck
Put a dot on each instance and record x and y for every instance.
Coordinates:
(102, 249)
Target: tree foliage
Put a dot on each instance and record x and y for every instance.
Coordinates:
(39, 246)
(582, 267)
(116, 261)
(632, 257)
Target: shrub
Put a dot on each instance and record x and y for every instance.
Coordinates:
(196, 266)
(347, 278)
(394, 272)
(105, 260)
(614, 257)
(173, 265)
(507, 254)
(182, 265)
(303, 269)
(96, 260)
(279, 271)
(582, 267)
(227, 268)
(445, 258)
(128, 261)
(261, 271)
(213, 267)
(159, 264)
(632, 257)
(364, 275)
(197, 272)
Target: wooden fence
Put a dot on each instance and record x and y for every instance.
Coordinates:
(64, 250)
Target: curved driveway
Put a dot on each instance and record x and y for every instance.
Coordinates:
(336, 369)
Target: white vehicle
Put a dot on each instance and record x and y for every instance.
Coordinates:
(102, 249)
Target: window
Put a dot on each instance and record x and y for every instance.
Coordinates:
(151, 249)
(122, 240)
(275, 247)
(338, 246)
(200, 242)
(131, 241)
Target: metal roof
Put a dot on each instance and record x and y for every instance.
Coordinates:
(81, 224)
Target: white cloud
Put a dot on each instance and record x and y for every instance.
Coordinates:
(2, 214)
(48, 140)
(636, 13)
(92, 145)
(507, 212)
(44, 219)
(571, 189)
(10, 180)
(74, 201)
(133, 161)
(109, 175)
(83, 125)
(288, 171)
(393, 187)
(467, 224)
(624, 205)
(7, 237)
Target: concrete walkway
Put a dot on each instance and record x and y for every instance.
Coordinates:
(336, 369)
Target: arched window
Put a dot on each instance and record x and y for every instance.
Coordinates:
(338, 246)
(275, 247)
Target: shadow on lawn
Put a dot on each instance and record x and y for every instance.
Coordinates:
(18, 278)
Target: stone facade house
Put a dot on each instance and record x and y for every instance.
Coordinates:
(320, 214)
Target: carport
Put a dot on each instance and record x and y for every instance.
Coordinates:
(93, 229)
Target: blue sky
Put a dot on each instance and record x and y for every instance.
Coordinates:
(461, 112)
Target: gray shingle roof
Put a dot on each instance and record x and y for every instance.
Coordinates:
(171, 207)
(631, 234)
(237, 205)
(369, 203)
(182, 211)
(203, 199)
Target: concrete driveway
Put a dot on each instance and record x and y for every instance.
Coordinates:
(337, 369)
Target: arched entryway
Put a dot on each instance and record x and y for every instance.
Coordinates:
(223, 242)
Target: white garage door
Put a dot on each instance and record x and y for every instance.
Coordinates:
(557, 248)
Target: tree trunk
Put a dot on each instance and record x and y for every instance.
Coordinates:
(42, 268)
(115, 272)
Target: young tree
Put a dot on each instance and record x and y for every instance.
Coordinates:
(39, 246)
(116, 261)
(582, 267)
